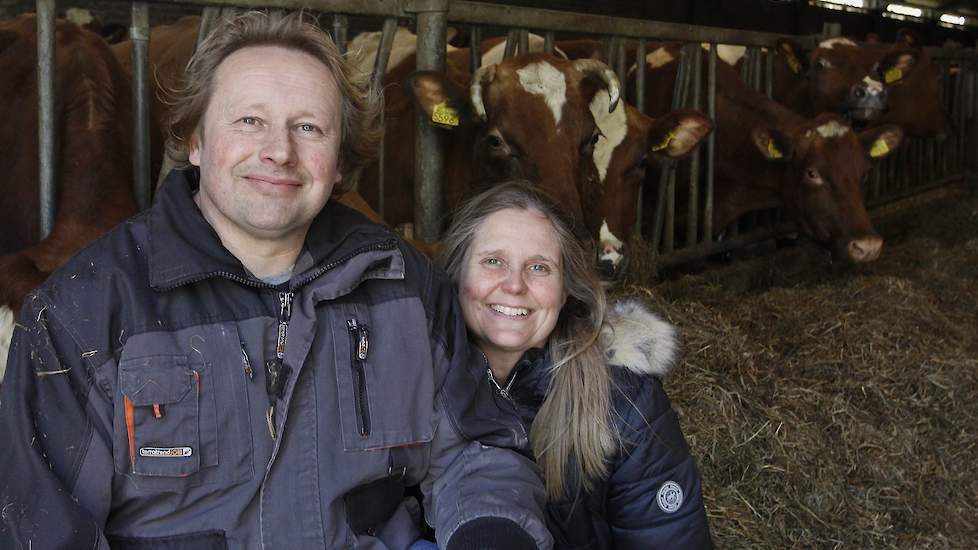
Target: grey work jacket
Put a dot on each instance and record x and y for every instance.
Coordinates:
(136, 409)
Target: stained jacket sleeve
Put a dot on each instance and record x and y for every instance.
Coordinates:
(48, 434)
(654, 496)
(477, 495)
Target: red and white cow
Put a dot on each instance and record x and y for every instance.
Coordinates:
(94, 179)
(768, 156)
(540, 117)
(897, 84)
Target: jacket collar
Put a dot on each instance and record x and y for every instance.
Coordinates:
(184, 248)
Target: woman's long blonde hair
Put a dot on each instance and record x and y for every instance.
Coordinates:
(573, 428)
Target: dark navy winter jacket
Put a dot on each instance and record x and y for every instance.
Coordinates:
(652, 497)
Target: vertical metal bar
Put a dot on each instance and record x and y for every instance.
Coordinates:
(757, 70)
(711, 110)
(640, 105)
(962, 121)
(475, 47)
(668, 166)
(429, 166)
(512, 38)
(670, 231)
(620, 60)
(769, 74)
(607, 52)
(548, 42)
(340, 24)
(383, 53)
(387, 33)
(524, 38)
(46, 130)
(974, 118)
(692, 206)
(208, 19)
(139, 33)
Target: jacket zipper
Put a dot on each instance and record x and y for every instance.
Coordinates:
(359, 345)
(276, 371)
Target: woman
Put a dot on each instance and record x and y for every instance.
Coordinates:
(583, 377)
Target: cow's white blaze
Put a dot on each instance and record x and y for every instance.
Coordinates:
(728, 53)
(6, 332)
(833, 42)
(872, 84)
(613, 127)
(832, 129)
(611, 245)
(658, 58)
(542, 78)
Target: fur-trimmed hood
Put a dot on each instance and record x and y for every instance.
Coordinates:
(639, 340)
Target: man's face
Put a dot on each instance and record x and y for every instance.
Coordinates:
(268, 144)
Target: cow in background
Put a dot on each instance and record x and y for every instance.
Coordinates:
(568, 134)
(768, 156)
(93, 156)
(874, 84)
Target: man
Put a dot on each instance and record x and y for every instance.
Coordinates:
(251, 365)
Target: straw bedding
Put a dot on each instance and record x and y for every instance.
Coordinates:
(835, 406)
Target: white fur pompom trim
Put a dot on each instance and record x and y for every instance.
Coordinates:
(639, 340)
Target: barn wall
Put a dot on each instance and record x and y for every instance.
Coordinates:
(778, 16)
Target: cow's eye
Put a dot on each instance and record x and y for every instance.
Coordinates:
(494, 141)
(824, 63)
(812, 177)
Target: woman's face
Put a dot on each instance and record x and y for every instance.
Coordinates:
(512, 284)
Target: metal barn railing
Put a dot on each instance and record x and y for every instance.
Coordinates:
(919, 166)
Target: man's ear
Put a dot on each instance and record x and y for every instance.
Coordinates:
(773, 144)
(678, 133)
(895, 66)
(879, 142)
(193, 148)
(793, 55)
(443, 102)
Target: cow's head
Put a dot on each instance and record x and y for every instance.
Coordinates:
(527, 117)
(627, 142)
(915, 102)
(821, 189)
(846, 78)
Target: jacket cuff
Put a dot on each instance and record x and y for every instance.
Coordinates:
(491, 533)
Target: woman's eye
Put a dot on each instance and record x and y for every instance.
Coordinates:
(540, 268)
(492, 261)
(249, 120)
(309, 128)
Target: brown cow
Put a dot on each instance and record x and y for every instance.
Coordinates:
(768, 156)
(539, 117)
(94, 179)
(894, 85)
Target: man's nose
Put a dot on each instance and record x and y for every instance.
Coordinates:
(278, 147)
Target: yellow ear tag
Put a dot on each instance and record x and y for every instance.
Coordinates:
(665, 142)
(444, 115)
(773, 151)
(793, 62)
(893, 75)
(879, 148)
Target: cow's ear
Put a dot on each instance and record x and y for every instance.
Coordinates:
(895, 66)
(879, 142)
(909, 38)
(793, 55)
(441, 100)
(773, 144)
(678, 133)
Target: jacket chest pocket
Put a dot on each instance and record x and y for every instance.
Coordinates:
(384, 379)
(166, 416)
(182, 419)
